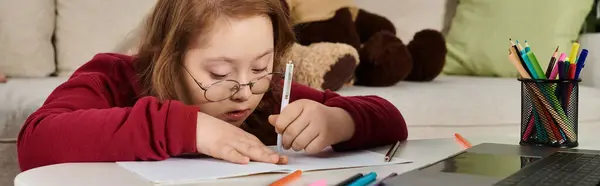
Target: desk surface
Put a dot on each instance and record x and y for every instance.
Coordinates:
(422, 152)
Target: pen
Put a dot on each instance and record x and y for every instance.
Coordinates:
(287, 179)
(350, 179)
(285, 97)
(391, 152)
(462, 140)
(581, 62)
(365, 180)
(380, 182)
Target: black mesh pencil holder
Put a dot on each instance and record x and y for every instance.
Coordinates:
(549, 112)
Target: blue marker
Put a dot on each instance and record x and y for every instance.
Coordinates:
(365, 180)
(580, 62)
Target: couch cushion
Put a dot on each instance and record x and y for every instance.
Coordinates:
(85, 28)
(26, 29)
(466, 101)
(20, 97)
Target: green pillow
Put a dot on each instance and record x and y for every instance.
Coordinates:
(478, 37)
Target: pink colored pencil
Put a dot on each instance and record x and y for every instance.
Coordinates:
(528, 129)
(555, 68)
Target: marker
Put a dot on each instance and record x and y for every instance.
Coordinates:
(380, 182)
(350, 179)
(555, 70)
(462, 140)
(581, 62)
(567, 64)
(365, 180)
(287, 179)
(574, 50)
(285, 97)
(322, 182)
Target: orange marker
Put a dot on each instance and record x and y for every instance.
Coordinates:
(287, 179)
(462, 141)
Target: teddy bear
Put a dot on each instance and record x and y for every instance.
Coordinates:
(322, 65)
(383, 58)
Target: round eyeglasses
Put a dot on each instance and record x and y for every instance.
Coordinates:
(225, 89)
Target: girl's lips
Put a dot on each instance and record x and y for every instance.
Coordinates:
(237, 115)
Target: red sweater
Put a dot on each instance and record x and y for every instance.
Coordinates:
(98, 116)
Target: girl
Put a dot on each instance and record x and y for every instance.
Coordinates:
(202, 82)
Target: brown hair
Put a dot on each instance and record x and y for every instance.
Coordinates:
(171, 27)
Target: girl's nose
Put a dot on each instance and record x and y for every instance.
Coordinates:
(243, 94)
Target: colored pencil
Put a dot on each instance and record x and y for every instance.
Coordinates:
(551, 64)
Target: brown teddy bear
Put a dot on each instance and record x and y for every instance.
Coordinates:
(384, 58)
(322, 65)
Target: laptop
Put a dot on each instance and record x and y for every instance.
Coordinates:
(507, 165)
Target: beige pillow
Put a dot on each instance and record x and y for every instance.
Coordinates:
(85, 28)
(26, 28)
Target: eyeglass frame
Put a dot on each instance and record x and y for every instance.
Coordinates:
(240, 85)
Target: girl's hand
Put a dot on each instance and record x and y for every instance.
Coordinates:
(222, 140)
(311, 126)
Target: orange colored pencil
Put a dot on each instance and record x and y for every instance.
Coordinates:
(287, 179)
(462, 140)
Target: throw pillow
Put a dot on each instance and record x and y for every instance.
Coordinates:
(478, 37)
(26, 29)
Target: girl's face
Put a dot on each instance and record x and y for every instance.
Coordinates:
(235, 50)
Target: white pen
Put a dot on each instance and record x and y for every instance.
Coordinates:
(285, 97)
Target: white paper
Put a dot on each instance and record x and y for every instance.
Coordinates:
(198, 169)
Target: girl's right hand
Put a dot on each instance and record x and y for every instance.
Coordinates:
(222, 140)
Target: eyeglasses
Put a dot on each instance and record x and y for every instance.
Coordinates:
(224, 89)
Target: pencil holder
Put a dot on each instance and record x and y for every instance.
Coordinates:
(549, 112)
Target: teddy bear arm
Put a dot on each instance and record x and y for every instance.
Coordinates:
(368, 24)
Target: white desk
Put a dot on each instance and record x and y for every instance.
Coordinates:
(422, 152)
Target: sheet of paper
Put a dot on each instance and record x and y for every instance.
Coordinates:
(177, 170)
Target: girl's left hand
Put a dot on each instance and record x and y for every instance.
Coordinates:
(311, 126)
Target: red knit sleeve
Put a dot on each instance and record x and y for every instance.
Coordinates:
(377, 121)
(79, 122)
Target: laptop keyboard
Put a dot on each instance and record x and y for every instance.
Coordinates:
(560, 168)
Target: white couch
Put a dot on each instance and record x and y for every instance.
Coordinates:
(59, 43)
